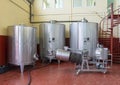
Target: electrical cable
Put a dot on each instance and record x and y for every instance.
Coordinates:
(29, 77)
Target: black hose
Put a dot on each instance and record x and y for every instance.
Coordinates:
(29, 77)
(34, 68)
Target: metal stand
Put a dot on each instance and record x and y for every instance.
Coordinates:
(99, 65)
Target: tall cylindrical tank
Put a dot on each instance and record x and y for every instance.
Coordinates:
(84, 36)
(21, 45)
(52, 37)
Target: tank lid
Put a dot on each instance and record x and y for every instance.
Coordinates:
(84, 20)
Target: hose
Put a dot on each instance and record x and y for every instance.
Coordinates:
(34, 68)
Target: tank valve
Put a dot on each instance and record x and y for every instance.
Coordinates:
(35, 57)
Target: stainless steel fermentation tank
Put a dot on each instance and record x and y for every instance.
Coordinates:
(21, 45)
(52, 37)
(84, 35)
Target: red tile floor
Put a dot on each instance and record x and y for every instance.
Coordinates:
(61, 74)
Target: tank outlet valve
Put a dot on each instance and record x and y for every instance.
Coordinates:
(35, 57)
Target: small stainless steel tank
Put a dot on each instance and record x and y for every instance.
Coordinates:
(52, 37)
(84, 35)
(21, 45)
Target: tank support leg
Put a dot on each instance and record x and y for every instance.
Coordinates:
(58, 61)
(21, 68)
(85, 64)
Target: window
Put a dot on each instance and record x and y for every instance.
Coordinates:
(58, 3)
(119, 2)
(52, 4)
(91, 3)
(111, 1)
(47, 4)
(77, 3)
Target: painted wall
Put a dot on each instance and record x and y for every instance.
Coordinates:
(11, 14)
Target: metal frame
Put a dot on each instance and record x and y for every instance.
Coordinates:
(90, 66)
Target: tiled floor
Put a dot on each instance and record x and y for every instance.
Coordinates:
(62, 74)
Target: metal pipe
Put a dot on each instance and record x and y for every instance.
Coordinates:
(36, 22)
(30, 13)
(112, 25)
